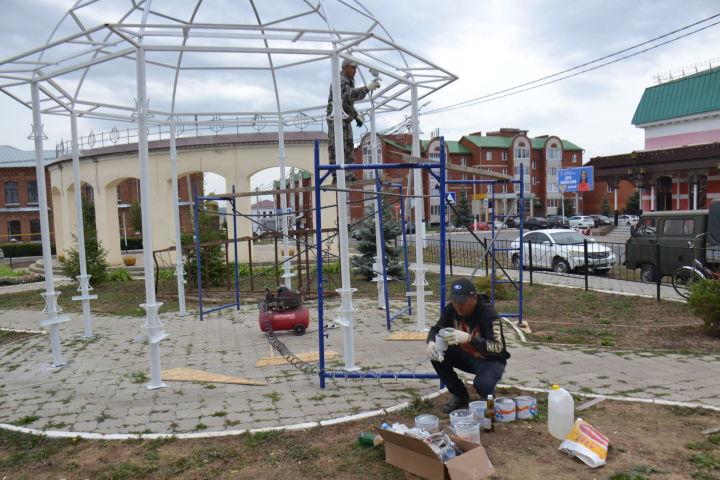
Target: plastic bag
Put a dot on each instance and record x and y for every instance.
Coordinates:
(586, 443)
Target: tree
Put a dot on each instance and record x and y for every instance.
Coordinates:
(463, 216)
(632, 207)
(605, 207)
(367, 248)
(95, 261)
(213, 268)
(88, 213)
(569, 206)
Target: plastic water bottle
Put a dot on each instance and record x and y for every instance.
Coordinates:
(561, 412)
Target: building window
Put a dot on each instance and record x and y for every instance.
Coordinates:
(504, 170)
(522, 152)
(554, 154)
(488, 156)
(503, 156)
(14, 230)
(574, 158)
(11, 193)
(610, 189)
(35, 230)
(551, 187)
(504, 189)
(463, 161)
(32, 192)
(535, 180)
(534, 164)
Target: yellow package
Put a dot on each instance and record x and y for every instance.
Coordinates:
(586, 443)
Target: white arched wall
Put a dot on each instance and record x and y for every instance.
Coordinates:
(59, 220)
(235, 162)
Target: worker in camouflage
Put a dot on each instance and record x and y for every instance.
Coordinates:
(349, 95)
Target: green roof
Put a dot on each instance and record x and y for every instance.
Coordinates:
(404, 148)
(457, 147)
(693, 94)
(506, 142)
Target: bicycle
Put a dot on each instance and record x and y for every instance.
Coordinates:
(685, 276)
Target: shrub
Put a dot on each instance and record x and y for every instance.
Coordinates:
(502, 290)
(704, 301)
(119, 275)
(166, 274)
(26, 249)
(96, 261)
(133, 243)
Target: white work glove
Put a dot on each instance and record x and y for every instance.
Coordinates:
(373, 86)
(454, 337)
(431, 352)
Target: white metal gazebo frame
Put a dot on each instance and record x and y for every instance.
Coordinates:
(61, 81)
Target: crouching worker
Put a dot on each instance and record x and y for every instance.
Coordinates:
(476, 344)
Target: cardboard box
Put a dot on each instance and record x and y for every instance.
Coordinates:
(415, 456)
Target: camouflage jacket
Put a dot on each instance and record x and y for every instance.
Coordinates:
(349, 95)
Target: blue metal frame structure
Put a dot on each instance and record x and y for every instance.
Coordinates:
(521, 217)
(319, 178)
(196, 207)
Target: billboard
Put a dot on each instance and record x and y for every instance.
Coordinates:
(579, 179)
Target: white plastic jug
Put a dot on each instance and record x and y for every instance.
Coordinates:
(561, 412)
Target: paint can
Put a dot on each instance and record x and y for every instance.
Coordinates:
(526, 407)
(428, 422)
(504, 409)
(478, 408)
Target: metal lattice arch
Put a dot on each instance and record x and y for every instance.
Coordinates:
(213, 63)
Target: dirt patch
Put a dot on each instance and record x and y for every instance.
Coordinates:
(8, 337)
(649, 442)
(571, 316)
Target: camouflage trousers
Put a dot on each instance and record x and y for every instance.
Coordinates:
(347, 139)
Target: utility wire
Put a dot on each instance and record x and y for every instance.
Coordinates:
(531, 85)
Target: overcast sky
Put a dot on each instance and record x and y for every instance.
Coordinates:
(490, 45)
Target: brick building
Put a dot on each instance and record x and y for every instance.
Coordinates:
(679, 166)
(20, 210)
(503, 152)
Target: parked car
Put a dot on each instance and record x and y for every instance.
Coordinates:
(582, 222)
(536, 223)
(672, 235)
(562, 251)
(558, 221)
(601, 220)
(480, 226)
(511, 223)
(628, 220)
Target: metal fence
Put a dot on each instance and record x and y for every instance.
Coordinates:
(651, 264)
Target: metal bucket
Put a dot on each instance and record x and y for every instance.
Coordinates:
(504, 409)
(526, 407)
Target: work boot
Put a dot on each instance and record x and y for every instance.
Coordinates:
(455, 403)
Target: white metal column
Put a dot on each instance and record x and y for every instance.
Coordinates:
(419, 202)
(379, 247)
(287, 274)
(152, 324)
(51, 306)
(346, 309)
(179, 260)
(83, 278)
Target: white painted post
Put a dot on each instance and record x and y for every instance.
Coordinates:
(346, 308)
(50, 296)
(379, 247)
(419, 202)
(83, 278)
(287, 274)
(152, 321)
(179, 260)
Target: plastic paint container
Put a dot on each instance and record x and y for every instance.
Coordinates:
(526, 407)
(504, 409)
(468, 431)
(460, 415)
(428, 422)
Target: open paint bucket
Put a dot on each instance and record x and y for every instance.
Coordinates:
(526, 407)
(504, 409)
(460, 415)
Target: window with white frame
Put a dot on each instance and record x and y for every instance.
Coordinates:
(504, 170)
(488, 156)
(367, 151)
(522, 152)
(554, 153)
(463, 161)
(574, 158)
(503, 156)
(11, 193)
(610, 189)
(504, 188)
(534, 164)
(551, 187)
(535, 180)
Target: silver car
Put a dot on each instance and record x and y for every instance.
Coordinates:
(562, 251)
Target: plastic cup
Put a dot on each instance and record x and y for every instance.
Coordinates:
(478, 408)
(460, 415)
(428, 422)
(468, 431)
